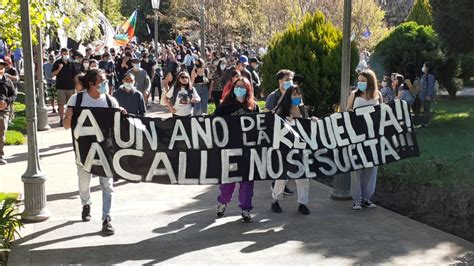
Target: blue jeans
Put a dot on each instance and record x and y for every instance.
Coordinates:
(203, 92)
(106, 185)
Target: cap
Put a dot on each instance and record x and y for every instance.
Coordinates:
(253, 60)
(244, 60)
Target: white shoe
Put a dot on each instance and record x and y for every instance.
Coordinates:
(357, 205)
(220, 210)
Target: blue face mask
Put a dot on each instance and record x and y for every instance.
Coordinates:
(296, 101)
(103, 88)
(287, 84)
(240, 92)
(362, 86)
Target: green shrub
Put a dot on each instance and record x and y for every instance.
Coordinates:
(405, 50)
(9, 223)
(18, 124)
(313, 49)
(20, 97)
(19, 108)
(467, 66)
(14, 138)
(408, 45)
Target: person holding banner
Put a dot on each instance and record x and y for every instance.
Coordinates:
(182, 96)
(363, 181)
(291, 106)
(95, 94)
(240, 101)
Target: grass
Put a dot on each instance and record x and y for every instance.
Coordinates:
(446, 147)
(5, 196)
(17, 129)
(212, 107)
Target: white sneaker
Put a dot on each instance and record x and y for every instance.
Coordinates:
(220, 210)
(246, 218)
(357, 205)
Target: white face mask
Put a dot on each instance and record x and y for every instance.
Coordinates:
(128, 86)
(86, 65)
(222, 66)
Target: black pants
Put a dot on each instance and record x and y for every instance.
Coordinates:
(156, 85)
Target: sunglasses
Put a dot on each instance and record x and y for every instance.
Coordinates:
(184, 77)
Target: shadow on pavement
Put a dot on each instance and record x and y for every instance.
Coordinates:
(331, 231)
(44, 152)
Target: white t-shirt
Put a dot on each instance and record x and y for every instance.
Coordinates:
(183, 104)
(88, 101)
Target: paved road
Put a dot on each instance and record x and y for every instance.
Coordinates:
(176, 225)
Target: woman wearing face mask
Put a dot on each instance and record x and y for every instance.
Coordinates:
(130, 98)
(200, 81)
(291, 106)
(403, 91)
(427, 92)
(363, 181)
(95, 87)
(216, 84)
(387, 92)
(240, 101)
(228, 78)
(182, 96)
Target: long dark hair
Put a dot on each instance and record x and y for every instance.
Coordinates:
(372, 88)
(283, 108)
(178, 86)
(89, 77)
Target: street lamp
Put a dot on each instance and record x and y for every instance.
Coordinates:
(155, 4)
(34, 179)
(342, 182)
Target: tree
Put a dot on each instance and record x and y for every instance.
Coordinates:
(50, 15)
(421, 13)
(311, 48)
(454, 22)
(408, 47)
(111, 10)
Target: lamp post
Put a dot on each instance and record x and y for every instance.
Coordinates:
(33, 179)
(342, 182)
(203, 29)
(155, 4)
(41, 109)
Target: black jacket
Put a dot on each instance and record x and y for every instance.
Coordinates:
(7, 91)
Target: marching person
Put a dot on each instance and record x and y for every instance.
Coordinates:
(285, 81)
(95, 87)
(363, 181)
(200, 81)
(129, 97)
(240, 101)
(290, 107)
(142, 80)
(182, 97)
(7, 97)
(64, 71)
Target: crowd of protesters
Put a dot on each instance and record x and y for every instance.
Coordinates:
(178, 76)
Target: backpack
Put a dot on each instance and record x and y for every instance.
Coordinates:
(80, 95)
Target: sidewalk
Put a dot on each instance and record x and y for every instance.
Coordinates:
(176, 224)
